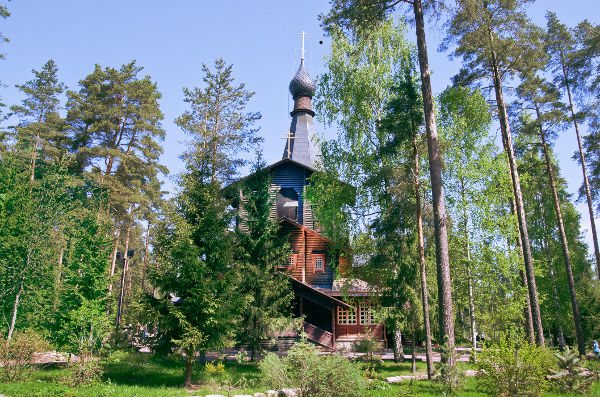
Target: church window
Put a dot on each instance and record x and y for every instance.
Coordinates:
(319, 262)
(292, 260)
(346, 316)
(287, 204)
(367, 313)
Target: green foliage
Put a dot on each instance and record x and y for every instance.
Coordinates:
(513, 367)
(214, 368)
(313, 374)
(477, 188)
(260, 250)
(369, 346)
(352, 94)
(570, 377)
(115, 121)
(451, 375)
(17, 355)
(218, 123)
(4, 13)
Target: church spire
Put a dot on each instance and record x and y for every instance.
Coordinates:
(302, 146)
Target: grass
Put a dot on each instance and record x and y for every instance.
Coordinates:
(143, 375)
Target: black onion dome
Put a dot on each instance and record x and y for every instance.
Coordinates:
(302, 84)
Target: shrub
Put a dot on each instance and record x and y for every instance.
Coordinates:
(216, 368)
(369, 346)
(241, 357)
(514, 367)
(84, 371)
(17, 355)
(313, 374)
(570, 378)
(451, 376)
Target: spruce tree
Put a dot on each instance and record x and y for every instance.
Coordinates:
(402, 123)
(199, 299)
(260, 248)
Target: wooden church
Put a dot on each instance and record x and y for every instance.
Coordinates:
(337, 310)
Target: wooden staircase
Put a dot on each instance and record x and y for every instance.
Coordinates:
(318, 335)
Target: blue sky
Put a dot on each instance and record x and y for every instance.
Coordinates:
(171, 40)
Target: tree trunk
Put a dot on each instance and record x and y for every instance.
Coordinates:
(469, 270)
(561, 337)
(114, 259)
(189, 368)
(564, 243)
(514, 173)
(471, 306)
(413, 359)
(527, 309)
(422, 266)
(398, 349)
(34, 154)
(15, 308)
(145, 258)
(437, 190)
(57, 281)
(586, 182)
(123, 275)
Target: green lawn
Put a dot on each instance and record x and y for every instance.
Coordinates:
(144, 375)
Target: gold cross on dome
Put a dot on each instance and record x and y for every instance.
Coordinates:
(289, 138)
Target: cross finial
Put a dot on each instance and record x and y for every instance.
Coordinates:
(289, 138)
(303, 35)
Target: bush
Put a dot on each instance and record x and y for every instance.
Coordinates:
(514, 367)
(570, 378)
(216, 368)
(451, 376)
(369, 346)
(17, 356)
(84, 371)
(313, 374)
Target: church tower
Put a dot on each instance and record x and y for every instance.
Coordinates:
(318, 298)
(301, 146)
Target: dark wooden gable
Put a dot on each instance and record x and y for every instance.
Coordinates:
(289, 174)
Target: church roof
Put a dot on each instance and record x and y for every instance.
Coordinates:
(301, 145)
(302, 84)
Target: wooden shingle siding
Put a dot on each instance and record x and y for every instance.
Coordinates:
(292, 176)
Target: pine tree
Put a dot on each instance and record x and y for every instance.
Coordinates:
(4, 13)
(217, 121)
(40, 127)
(115, 125)
(494, 38)
(568, 66)
(542, 99)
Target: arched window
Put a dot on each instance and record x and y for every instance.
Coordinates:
(287, 204)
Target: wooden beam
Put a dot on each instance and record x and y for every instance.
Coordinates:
(333, 315)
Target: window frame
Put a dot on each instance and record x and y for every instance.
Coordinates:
(368, 318)
(292, 261)
(319, 256)
(346, 316)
